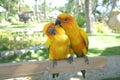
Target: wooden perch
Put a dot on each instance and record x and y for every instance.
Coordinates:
(11, 70)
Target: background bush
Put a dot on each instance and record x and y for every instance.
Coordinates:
(81, 20)
(101, 27)
(20, 40)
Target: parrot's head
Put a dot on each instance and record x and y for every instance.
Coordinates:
(49, 29)
(65, 20)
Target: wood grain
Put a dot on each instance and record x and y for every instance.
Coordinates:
(32, 68)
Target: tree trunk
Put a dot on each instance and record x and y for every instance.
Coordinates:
(44, 8)
(70, 6)
(36, 10)
(6, 13)
(9, 6)
(20, 6)
(77, 10)
(113, 7)
(89, 21)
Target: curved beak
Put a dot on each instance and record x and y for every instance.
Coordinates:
(52, 31)
(58, 22)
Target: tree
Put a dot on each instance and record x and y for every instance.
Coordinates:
(20, 5)
(36, 10)
(11, 6)
(113, 7)
(1, 3)
(107, 7)
(70, 6)
(89, 22)
(77, 9)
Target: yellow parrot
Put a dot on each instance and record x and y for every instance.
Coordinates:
(57, 42)
(78, 37)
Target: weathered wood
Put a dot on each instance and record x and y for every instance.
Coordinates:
(79, 64)
(11, 70)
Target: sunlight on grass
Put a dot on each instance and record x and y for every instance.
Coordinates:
(23, 26)
(37, 55)
(93, 55)
(104, 45)
(99, 45)
(118, 78)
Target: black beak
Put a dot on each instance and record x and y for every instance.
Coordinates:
(58, 22)
(52, 31)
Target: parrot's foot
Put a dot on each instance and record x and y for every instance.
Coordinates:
(86, 59)
(55, 75)
(54, 63)
(70, 59)
(83, 73)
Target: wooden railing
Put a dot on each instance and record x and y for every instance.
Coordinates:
(32, 68)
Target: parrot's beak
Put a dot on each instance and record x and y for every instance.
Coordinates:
(58, 22)
(52, 31)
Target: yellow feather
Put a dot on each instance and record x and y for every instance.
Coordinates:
(58, 44)
(77, 36)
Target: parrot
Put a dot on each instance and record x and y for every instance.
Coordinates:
(57, 43)
(78, 37)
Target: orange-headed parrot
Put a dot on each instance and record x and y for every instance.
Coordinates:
(57, 42)
(78, 37)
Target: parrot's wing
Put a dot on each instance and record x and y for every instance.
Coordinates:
(70, 48)
(48, 43)
(85, 37)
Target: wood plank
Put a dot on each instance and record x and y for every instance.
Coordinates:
(11, 70)
(79, 64)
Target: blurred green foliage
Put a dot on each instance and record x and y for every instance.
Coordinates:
(100, 45)
(81, 20)
(2, 16)
(37, 56)
(101, 27)
(118, 78)
(1, 2)
(20, 40)
(104, 44)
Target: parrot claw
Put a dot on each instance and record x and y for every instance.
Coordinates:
(55, 75)
(54, 63)
(83, 73)
(86, 59)
(70, 59)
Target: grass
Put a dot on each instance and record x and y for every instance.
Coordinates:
(104, 44)
(15, 27)
(37, 55)
(15, 41)
(22, 26)
(99, 45)
(118, 78)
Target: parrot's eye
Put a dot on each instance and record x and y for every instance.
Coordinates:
(66, 19)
